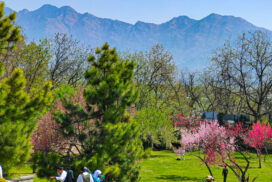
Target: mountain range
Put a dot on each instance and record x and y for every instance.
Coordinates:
(190, 41)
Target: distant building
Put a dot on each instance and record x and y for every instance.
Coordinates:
(210, 116)
(226, 118)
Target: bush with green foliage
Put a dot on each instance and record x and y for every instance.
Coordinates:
(147, 153)
(45, 165)
(156, 127)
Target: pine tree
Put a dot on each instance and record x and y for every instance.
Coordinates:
(9, 34)
(109, 138)
(18, 110)
(111, 91)
(18, 113)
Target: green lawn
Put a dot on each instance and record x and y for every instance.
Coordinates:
(36, 179)
(163, 166)
(24, 170)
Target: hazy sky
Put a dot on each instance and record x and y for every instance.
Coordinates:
(258, 12)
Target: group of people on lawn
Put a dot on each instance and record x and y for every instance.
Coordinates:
(84, 176)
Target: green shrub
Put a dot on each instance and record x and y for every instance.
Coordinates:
(156, 127)
(45, 165)
(147, 153)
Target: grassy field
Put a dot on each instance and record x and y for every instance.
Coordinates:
(162, 166)
(24, 170)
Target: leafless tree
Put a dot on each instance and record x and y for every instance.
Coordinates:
(69, 61)
(245, 70)
(154, 70)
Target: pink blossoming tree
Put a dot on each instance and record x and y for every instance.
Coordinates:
(212, 140)
(216, 145)
(48, 136)
(257, 137)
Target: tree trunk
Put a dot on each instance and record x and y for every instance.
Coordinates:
(207, 165)
(260, 160)
(266, 153)
(209, 168)
(243, 178)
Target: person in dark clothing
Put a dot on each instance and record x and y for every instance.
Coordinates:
(70, 176)
(225, 173)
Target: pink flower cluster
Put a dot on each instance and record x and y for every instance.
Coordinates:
(216, 142)
(186, 122)
(259, 134)
(46, 137)
(212, 139)
(238, 130)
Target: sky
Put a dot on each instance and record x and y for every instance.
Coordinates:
(258, 12)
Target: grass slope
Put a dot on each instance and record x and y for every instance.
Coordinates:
(162, 166)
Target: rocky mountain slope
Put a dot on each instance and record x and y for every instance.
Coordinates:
(190, 41)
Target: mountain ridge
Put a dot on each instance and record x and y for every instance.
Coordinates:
(190, 41)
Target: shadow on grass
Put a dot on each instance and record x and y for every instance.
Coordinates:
(243, 159)
(177, 178)
(157, 156)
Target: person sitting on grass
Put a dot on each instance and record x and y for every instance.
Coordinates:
(98, 174)
(210, 179)
(85, 176)
(62, 175)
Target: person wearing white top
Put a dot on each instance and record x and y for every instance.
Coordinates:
(85, 176)
(1, 171)
(97, 173)
(62, 175)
